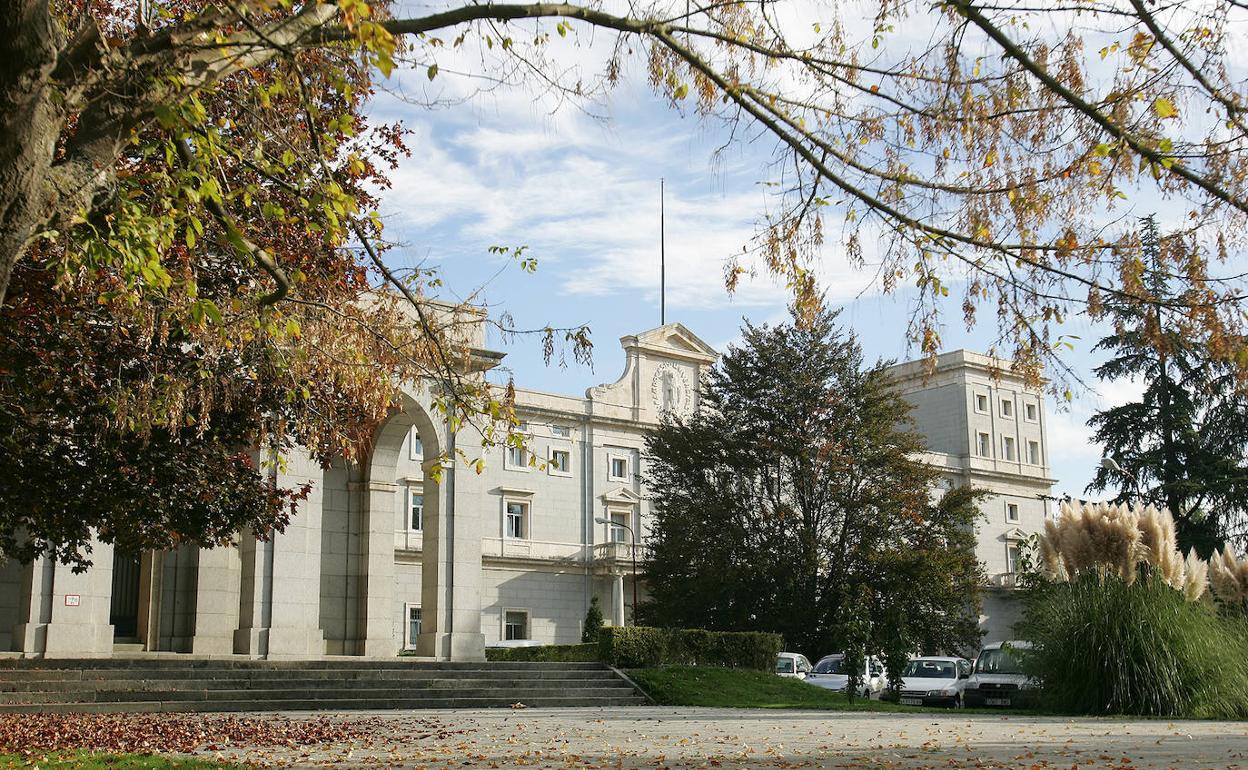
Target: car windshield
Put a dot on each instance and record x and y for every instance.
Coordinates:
(997, 661)
(930, 669)
(830, 665)
(784, 665)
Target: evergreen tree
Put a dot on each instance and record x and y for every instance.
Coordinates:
(593, 622)
(792, 502)
(1184, 443)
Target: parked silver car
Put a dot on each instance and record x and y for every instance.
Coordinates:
(830, 672)
(998, 678)
(792, 664)
(934, 681)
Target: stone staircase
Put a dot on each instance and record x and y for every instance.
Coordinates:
(155, 684)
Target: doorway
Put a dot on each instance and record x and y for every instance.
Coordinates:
(124, 609)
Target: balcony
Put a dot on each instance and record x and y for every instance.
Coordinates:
(618, 555)
(540, 550)
(1004, 580)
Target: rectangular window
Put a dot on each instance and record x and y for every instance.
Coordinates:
(1011, 511)
(981, 403)
(415, 510)
(560, 462)
(412, 628)
(563, 431)
(1031, 412)
(1011, 558)
(985, 445)
(415, 449)
(1033, 452)
(619, 528)
(517, 523)
(516, 459)
(1007, 447)
(1007, 407)
(619, 469)
(515, 625)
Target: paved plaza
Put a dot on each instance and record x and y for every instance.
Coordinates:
(661, 737)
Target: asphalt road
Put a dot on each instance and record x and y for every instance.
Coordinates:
(735, 739)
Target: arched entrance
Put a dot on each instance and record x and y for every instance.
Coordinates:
(450, 572)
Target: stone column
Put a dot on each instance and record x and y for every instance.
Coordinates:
(451, 567)
(81, 604)
(151, 588)
(617, 599)
(35, 607)
(377, 547)
(216, 601)
(280, 582)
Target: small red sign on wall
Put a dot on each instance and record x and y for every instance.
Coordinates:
(73, 600)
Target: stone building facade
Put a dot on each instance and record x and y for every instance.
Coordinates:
(393, 555)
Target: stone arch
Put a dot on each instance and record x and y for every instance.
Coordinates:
(386, 476)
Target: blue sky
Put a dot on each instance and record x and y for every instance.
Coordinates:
(579, 186)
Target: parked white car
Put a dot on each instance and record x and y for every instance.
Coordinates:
(998, 678)
(792, 664)
(934, 681)
(830, 672)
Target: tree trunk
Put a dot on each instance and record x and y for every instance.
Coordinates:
(30, 122)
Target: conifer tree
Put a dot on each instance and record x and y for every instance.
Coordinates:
(792, 501)
(1184, 443)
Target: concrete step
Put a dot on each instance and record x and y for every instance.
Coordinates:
(110, 685)
(182, 663)
(275, 696)
(196, 683)
(74, 678)
(352, 704)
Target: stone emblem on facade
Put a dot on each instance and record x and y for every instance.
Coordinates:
(670, 390)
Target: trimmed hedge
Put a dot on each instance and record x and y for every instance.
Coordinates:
(645, 647)
(558, 653)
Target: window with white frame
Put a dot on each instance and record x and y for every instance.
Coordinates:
(415, 509)
(1031, 412)
(981, 403)
(1007, 407)
(617, 469)
(985, 445)
(515, 624)
(1012, 553)
(1011, 511)
(617, 531)
(563, 431)
(560, 462)
(1007, 447)
(1033, 452)
(516, 458)
(411, 625)
(516, 520)
(415, 449)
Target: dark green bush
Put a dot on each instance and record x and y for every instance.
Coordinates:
(560, 653)
(593, 622)
(1105, 647)
(644, 647)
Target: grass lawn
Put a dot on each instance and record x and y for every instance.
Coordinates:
(735, 688)
(92, 761)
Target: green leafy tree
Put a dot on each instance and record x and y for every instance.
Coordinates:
(593, 622)
(1184, 443)
(792, 501)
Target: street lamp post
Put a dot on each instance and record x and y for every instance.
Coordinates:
(632, 537)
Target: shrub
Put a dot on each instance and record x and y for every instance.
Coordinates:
(644, 647)
(1106, 645)
(593, 622)
(561, 653)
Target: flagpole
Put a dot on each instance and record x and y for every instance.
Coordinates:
(662, 256)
